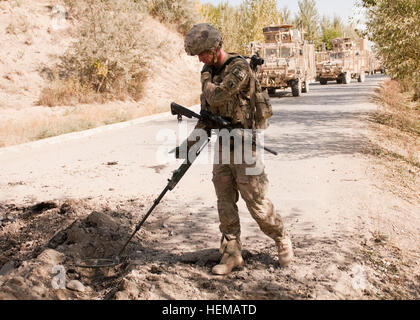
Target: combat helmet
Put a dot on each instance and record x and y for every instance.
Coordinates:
(202, 37)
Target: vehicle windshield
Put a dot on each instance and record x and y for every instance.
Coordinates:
(337, 55)
(320, 57)
(270, 52)
(286, 52)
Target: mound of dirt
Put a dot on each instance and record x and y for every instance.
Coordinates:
(43, 242)
(32, 279)
(25, 230)
(46, 270)
(96, 236)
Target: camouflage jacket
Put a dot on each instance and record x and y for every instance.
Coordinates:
(226, 91)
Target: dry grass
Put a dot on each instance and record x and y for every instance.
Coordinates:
(108, 61)
(396, 140)
(66, 92)
(390, 276)
(395, 143)
(13, 3)
(70, 92)
(397, 111)
(399, 120)
(112, 57)
(70, 119)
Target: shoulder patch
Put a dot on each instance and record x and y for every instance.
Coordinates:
(239, 73)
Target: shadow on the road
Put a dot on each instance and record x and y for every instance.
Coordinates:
(315, 145)
(314, 119)
(320, 134)
(315, 134)
(315, 130)
(333, 86)
(326, 99)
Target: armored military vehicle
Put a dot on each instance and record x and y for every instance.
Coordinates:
(375, 64)
(343, 63)
(289, 61)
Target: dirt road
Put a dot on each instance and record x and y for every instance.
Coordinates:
(353, 239)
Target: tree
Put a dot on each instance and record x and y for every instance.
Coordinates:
(394, 27)
(329, 34)
(239, 26)
(307, 19)
(331, 29)
(225, 19)
(285, 14)
(256, 15)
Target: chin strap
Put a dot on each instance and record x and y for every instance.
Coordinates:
(215, 57)
(217, 50)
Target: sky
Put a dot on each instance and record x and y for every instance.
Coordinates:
(343, 8)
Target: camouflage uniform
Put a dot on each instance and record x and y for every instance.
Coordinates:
(226, 92)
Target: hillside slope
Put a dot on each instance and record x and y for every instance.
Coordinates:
(35, 44)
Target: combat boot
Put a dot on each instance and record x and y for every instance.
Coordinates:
(231, 256)
(285, 250)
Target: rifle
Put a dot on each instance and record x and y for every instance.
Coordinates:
(212, 120)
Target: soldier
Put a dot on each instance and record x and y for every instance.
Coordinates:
(226, 91)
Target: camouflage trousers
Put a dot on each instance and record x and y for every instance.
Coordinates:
(229, 181)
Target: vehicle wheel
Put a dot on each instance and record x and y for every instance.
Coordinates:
(323, 81)
(305, 88)
(271, 91)
(339, 80)
(296, 88)
(346, 78)
(361, 77)
(382, 70)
